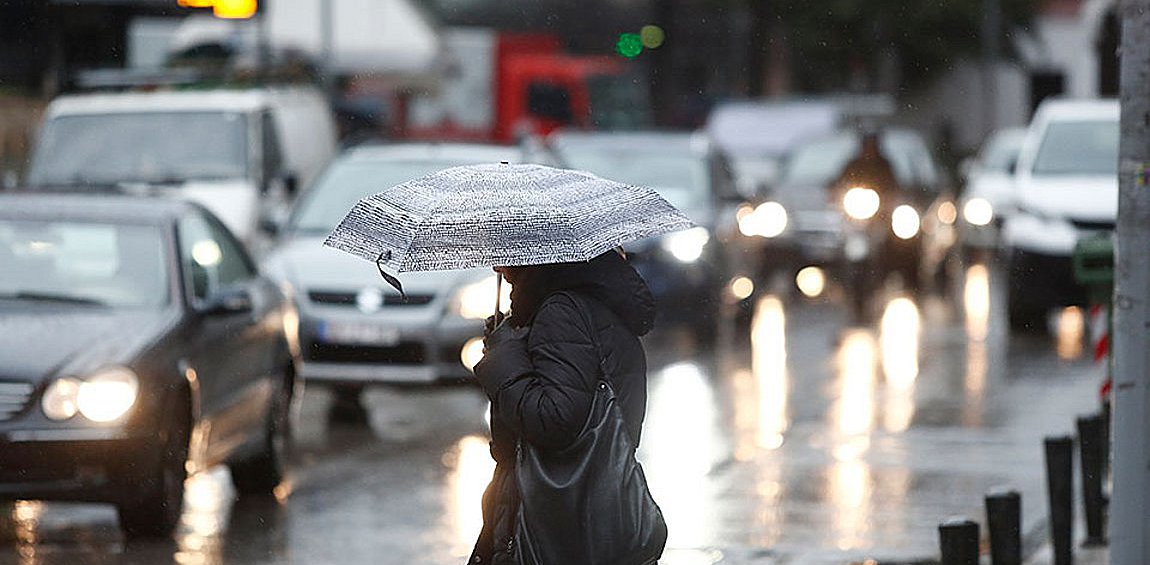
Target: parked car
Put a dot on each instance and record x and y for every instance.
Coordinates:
(988, 195)
(354, 329)
(241, 153)
(1067, 186)
(688, 269)
(138, 343)
(806, 223)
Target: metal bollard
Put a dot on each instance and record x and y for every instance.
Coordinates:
(1004, 525)
(1092, 455)
(958, 541)
(1060, 488)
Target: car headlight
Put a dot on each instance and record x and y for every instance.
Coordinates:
(687, 246)
(476, 301)
(769, 219)
(978, 212)
(861, 203)
(904, 222)
(103, 397)
(60, 399)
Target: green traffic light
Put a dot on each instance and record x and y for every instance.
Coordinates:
(629, 45)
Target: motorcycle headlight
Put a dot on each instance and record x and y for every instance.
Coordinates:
(861, 203)
(103, 397)
(687, 246)
(904, 222)
(769, 219)
(476, 301)
(978, 212)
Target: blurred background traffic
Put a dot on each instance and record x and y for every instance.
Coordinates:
(943, 175)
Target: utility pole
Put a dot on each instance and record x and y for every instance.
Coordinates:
(1130, 512)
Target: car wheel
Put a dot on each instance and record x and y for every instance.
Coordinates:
(154, 506)
(260, 474)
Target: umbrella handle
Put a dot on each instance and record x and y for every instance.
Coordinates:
(498, 295)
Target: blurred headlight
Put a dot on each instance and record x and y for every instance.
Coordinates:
(59, 400)
(947, 213)
(978, 211)
(687, 246)
(769, 219)
(904, 222)
(103, 397)
(476, 301)
(812, 281)
(861, 203)
(471, 353)
(107, 395)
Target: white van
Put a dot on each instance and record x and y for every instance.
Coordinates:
(1067, 189)
(241, 153)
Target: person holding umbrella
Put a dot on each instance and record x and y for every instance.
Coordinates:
(565, 372)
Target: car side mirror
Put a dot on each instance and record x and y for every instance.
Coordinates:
(229, 301)
(270, 226)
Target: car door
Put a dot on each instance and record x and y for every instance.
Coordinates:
(232, 349)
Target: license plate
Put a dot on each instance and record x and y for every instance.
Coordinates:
(358, 333)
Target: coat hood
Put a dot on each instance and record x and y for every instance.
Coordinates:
(608, 278)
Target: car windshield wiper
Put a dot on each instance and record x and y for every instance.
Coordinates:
(50, 297)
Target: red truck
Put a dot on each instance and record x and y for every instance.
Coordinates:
(499, 86)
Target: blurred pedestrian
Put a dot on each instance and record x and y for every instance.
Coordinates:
(571, 341)
(869, 168)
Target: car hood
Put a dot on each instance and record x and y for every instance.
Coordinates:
(42, 341)
(308, 265)
(1093, 198)
(996, 188)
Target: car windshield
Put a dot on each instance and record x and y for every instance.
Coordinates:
(145, 147)
(1078, 148)
(99, 264)
(681, 179)
(346, 182)
(819, 163)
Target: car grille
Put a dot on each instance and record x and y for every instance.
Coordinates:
(14, 398)
(404, 353)
(1084, 225)
(348, 298)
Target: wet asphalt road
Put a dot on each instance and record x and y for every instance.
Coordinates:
(807, 441)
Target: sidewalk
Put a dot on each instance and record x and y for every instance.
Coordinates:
(1082, 556)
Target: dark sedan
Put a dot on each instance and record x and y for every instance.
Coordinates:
(138, 343)
(687, 271)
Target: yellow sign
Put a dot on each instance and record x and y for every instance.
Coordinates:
(228, 9)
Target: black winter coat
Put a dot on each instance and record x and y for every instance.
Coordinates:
(540, 371)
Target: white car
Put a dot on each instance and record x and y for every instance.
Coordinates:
(1067, 187)
(240, 153)
(989, 195)
(356, 330)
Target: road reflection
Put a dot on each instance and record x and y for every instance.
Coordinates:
(471, 467)
(769, 368)
(899, 337)
(681, 443)
(976, 312)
